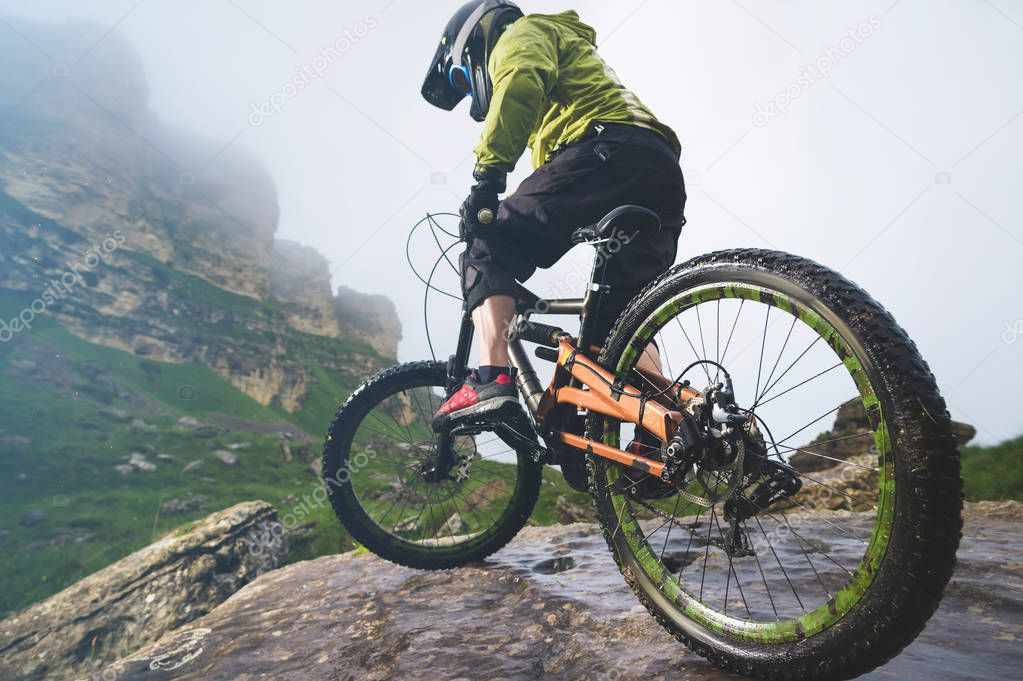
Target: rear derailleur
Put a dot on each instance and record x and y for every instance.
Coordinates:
(778, 481)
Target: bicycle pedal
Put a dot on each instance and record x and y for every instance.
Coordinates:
(471, 429)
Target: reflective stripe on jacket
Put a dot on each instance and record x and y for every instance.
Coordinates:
(550, 88)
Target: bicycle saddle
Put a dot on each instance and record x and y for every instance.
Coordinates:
(631, 221)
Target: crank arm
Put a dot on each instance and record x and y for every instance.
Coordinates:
(521, 442)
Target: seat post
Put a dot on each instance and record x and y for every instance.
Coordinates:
(595, 292)
(634, 221)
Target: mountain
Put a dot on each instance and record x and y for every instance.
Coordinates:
(162, 353)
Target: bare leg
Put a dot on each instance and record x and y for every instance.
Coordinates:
(491, 319)
(651, 360)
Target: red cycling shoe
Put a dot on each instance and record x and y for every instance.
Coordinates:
(478, 401)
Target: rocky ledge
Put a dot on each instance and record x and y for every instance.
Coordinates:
(141, 597)
(551, 605)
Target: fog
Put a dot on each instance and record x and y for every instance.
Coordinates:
(894, 160)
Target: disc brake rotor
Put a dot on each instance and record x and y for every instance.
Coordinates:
(712, 493)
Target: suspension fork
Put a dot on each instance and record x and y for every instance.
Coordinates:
(458, 363)
(457, 370)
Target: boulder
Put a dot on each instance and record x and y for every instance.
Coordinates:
(115, 414)
(964, 432)
(850, 485)
(453, 526)
(408, 526)
(207, 432)
(568, 511)
(141, 597)
(230, 458)
(191, 466)
(182, 506)
(140, 463)
(32, 517)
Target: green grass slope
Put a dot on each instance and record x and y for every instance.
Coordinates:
(994, 473)
(71, 410)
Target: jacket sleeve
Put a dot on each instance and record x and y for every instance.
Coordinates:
(524, 71)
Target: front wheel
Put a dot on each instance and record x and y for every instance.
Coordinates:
(381, 472)
(836, 575)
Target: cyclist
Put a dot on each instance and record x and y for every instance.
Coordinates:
(537, 81)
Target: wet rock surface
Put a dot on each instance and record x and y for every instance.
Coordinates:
(550, 605)
(140, 597)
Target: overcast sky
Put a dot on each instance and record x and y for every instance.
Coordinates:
(901, 168)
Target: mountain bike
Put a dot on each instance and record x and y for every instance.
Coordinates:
(766, 567)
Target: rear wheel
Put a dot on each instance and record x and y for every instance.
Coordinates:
(838, 577)
(379, 460)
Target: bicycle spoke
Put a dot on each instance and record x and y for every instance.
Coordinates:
(784, 572)
(837, 439)
(828, 522)
(706, 552)
(667, 534)
(797, 385)
(426, 416)
(777, 360)
(695, 353)
(664, 353)
(787, 370)
(800, 538)
(760, 362)
(728, 343)
(699, 324)
(792, 450)
(835, 489)
(816, 420)
(689, 545)
(717, 339)
(763, 577)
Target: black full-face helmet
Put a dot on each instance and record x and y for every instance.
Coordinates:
(459, 69)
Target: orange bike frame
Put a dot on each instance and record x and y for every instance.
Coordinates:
(601, 393)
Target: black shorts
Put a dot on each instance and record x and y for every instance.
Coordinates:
(621, 165)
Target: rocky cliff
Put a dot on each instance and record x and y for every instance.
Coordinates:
(143, 237)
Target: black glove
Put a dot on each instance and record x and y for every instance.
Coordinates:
(479, 211)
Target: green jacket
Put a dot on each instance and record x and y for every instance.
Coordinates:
(550, 87)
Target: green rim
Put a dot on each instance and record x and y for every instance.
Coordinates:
(834, 609)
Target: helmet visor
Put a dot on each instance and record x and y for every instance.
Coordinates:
(437, 88)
